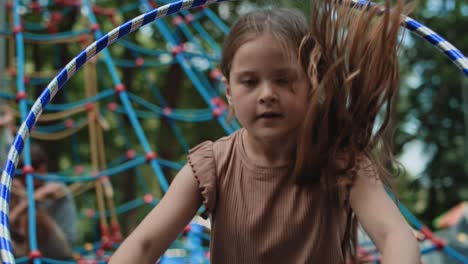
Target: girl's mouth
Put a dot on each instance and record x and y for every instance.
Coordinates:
(270, 115)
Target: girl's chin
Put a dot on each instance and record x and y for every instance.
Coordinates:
(271, 135)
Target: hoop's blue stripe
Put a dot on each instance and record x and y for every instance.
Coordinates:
(5, 197)
(62, 78)
(102, 43)
(10, 168)
(198, 2)
(81, 59)
(6, 243)
(45, 98)
(125, 28)
(19, 143)
(434, 39)
(465, 71)
(454, 54)
(412, 25)
(174, 8)
(30, 121)
(149, 17)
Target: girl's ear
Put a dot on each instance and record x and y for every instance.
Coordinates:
(228, 91)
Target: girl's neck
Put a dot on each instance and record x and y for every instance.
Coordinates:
(269, 153)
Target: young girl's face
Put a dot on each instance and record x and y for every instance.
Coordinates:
(268, 89)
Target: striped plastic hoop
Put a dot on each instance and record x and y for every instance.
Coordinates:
(70, 69)
(430, 36)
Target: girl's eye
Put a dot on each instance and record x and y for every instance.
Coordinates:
(283, 81)
(249, 82)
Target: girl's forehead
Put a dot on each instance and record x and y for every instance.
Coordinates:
(264, 52)
(266, 44)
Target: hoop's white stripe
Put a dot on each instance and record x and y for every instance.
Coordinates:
(90, 51)
(186, 5)
(9, 257)
(113, 36)
(162, 11)
(137, 23)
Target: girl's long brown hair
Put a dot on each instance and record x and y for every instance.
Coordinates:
(351, 60)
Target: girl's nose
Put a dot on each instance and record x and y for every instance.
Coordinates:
(267, 94)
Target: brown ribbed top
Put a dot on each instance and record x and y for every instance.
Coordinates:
(258, 214)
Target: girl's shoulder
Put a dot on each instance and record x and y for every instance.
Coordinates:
(208, 160)
(219, 148)
(215, 155)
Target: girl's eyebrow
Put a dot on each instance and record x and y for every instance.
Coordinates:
(289, 71)
(280, 70)
(284, 70)
(244, 73)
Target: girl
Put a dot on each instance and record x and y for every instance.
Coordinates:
(290, 185)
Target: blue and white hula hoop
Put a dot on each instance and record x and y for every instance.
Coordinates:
(70, 69)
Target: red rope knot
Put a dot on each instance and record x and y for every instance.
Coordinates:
(12, 71)
(56, 16)
(34, 6)
(153, 4)
(21, 95)
(17, 29)
(139, 62)
(116, 233)
(52, 27)
(89, 107)
(438, 242)
(130, 154)
(35, 254)
(150, 156)
(177, 20)
(187, 229)
(104, 179)
(216, 74)
(178, 49)
(79, 169)
(167, 111)
(98, 10)
(220, 106)
(217, 101)
(94, 27)
(90, 213)
(69, 123)
(105, 246)
(28, 169)
(26, 80)
(189, 18)
(95, 174)
(112, 106)
(148, 198)
(217, 112)
(73, 3)
(119, 88)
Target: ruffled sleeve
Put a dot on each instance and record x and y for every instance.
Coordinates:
(201, 160)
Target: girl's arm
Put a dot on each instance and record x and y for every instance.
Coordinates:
(382, 220)
(162, 225)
